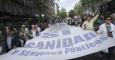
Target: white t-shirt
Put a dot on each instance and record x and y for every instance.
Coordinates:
(39, 29)
(9, 42)
(33, 33)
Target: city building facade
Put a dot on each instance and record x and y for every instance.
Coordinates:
(27, 8)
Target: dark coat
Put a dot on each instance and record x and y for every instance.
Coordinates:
(14, 42)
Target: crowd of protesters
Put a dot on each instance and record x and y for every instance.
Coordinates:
(17, 37)
(101, 25)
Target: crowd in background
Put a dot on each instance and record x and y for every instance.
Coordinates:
(101, 25)
(16, 37)
(89, 22)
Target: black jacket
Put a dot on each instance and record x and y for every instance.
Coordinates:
(14, 42)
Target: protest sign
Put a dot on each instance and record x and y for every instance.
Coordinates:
(67, 43)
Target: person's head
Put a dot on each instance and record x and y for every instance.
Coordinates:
(23, 26)
(33, 27)
(84, 17)
(36, 25)
(101, 16)
(89, 18)
(108, 20)
(8, 30)
(113, 16)
(21, 33)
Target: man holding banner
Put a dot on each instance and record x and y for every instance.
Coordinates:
(108, 29)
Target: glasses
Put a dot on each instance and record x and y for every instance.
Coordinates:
(108, 19)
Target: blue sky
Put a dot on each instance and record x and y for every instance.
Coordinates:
(68, 4)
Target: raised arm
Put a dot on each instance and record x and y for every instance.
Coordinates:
(95, 18)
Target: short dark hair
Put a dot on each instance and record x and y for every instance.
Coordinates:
(10, 28)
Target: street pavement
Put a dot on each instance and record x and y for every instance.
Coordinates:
(96, 56)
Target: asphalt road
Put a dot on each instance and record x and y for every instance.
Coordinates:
(96, 56)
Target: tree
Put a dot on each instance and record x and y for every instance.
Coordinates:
(78, 9)
(89, 5)
(71, 14)
(62, 13)
(58, 13)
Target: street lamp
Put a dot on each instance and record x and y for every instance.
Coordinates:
(42, 17)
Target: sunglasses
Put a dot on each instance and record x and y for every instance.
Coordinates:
(108, 19)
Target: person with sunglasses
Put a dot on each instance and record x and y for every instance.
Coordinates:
(108, 29)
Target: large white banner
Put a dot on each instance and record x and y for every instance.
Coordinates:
(60, 42)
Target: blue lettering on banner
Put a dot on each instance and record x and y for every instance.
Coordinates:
(89, 36)
(58, 45)
(67, 42)
(15, 52)
(103, 38)
(22, 53)
(78, 39)
(98, 41)
(66, 32)
(40, 45)
(85, 46)
(25, 53)
(30, 45)
(50, 45)
(78, 48)
(67, 50)
(53, 53)
(72, 49)
(59, 53)
(31, 53)
(49, 35)
(92, 44)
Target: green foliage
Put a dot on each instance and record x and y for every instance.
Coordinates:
(58, 13)
(78, 9)
(71, 14)
(62, 13)
(91, 5)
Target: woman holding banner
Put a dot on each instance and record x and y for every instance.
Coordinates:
(88, 24)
